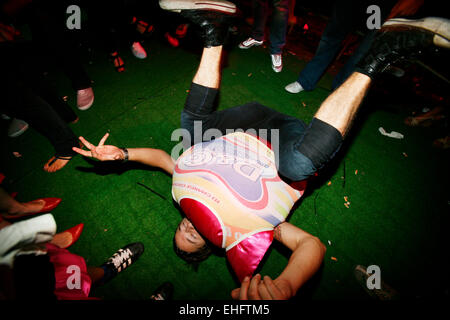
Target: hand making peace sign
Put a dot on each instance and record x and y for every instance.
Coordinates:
(100, 152)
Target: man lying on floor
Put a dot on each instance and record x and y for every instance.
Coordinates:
(235, 189)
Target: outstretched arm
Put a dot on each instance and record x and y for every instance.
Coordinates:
(153, 157)
(306, 258)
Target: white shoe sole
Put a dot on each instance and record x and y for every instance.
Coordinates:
(291, 89)
(439, 26)
(256, 44)
(139, 56)
(82, 108)
(214, 5)
(19, 132)
(277, 69)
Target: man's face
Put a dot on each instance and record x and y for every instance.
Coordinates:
(187, 238)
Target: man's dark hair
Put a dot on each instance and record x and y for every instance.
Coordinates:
(193, 258)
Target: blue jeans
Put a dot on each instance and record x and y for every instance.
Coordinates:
(347, 16)
(292, 164)
(278, 24)
(326, 52)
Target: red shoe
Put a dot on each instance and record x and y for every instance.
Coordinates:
(49, 205)
(75, 232)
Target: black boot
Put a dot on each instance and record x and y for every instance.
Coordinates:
(399, 40)
(214, 25)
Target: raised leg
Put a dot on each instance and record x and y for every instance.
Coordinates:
(340, 108)
(395, 41)
(209, 71)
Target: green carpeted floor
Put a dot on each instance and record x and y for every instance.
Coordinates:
(396, 219)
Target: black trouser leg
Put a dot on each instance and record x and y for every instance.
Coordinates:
(46, 91)
(43, 118)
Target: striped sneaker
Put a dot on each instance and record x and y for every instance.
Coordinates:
(250, 42)
(277, 62)
(122, 259)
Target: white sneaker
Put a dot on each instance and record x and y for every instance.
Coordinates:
(294, 87)
(277, 62)
(250, 42)
(17, 127)
(138, 50)
(85, 98)
(214, 5)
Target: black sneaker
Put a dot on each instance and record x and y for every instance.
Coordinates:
(121, 260)
(386, 292)
(213, 25)
(401, 39)
(440, 27)
(164, 292)
(212, 17)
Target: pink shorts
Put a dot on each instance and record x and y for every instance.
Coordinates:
(72, 280)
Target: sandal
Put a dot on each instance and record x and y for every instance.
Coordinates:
(54, 159)
(118, 62)
(143, 27)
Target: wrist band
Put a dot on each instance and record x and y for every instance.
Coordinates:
(125, 152)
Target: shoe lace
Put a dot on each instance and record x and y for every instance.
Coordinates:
(119, 258)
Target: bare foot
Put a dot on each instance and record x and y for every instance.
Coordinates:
(62, 240)
(27, 207)
(55, 164)
(33, 206)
